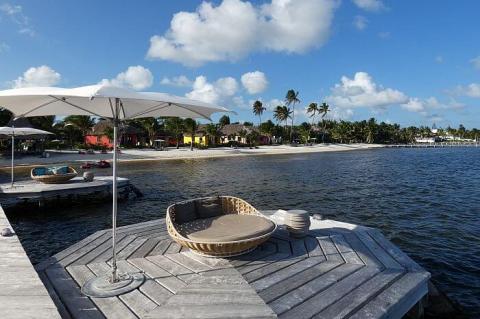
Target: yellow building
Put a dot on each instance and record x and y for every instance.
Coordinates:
(199, 140)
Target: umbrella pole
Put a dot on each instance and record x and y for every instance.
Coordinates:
(13, 154)
(114, 212)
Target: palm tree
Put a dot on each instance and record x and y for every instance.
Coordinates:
(82, 122)
(282, 113)
(258, 109)
(313, 109)
(175, 126)
(323, 109)
(191, 128)
(151, 126)
(291, 99)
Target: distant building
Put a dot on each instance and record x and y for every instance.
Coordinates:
(425, 139)
(128, 135)
(232, 133)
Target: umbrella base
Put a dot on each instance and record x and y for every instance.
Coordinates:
(101, 287)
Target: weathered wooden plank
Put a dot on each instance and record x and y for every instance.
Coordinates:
(147, 246)
(396, 300)
(348, 254)
(286, 273)
(155, 291)
(141, 226)
(259, 253)
(401, 257)
(161, 247)
(111, 307)
(298, 248)
(130, 248)
(271, 268)
(169, 265)
(174, 248)
(84, 250)
(378, 251)
(210, 262)
(358, 297)
(137, 302)
(105, 247)
(160, 275)
(313, 287)
(107, 254)
(27, 307)
(320, 301)
(211, 312)
(283, 287)
(187, 262)
(62, 310)
(330, 249)
(263, 262)
(362, 251)
(313, 247)
(68, 291)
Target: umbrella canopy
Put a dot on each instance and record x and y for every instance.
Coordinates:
(100, 100)
(19, 131)
(108, 102)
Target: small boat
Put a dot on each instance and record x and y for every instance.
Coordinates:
(53, 175)
(99, 164)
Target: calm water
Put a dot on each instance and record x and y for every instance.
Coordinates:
(427, 201)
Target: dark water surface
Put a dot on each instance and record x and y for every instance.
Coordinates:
(427, 201)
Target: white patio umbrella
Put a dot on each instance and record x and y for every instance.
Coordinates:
(19, 131)
(107, 102)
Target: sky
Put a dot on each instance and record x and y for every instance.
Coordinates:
(409, 62)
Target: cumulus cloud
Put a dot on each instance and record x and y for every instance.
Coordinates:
(214, 92)
(476, 62)
(370, 5)
(423, 106)
(362, 91)
(235, 28)
(254, 82)
(337, 113)
(471, 90)
(181, 81)
(135, 77)
(15, 13)
(37, 76)
(360, 22)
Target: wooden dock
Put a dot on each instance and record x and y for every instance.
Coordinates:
(339, 270)
(22, 293)
(39, 194)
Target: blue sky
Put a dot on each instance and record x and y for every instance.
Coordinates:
(410, 62)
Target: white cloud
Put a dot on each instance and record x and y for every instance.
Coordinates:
(254, 82)
(370, 5)
(213, 92)
(181, 81)
(337, 113)
(135, 77)
(234, 28)
(471, 90)
(15, 12)
(272, 104)
(37, 76)
(362, 91)
(476, 62)
(424, 105)
(360, 22)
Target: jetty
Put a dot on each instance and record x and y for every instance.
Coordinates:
(338, 270)
(31, 192)
(22, 293)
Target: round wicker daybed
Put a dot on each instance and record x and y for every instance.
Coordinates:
(47, 176)
(222, 226)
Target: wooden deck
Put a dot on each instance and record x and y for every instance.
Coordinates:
(29, 191)
(339, 270)
(22, 294)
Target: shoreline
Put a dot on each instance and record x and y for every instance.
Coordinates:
(145, 155)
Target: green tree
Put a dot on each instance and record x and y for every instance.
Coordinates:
(175, 126)
(323, 110)
(42, 122)
(312, 109)
(258, 109)
(191, 128)
(224, 120)
(151, 126)
(212, 132)
(291, 98)
(5, 116)
(282, 113)
(84, 123)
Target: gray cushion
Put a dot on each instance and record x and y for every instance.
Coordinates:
(209, 207)
(185, 212)
(225, 228)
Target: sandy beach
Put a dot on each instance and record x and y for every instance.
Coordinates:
(62, 157)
